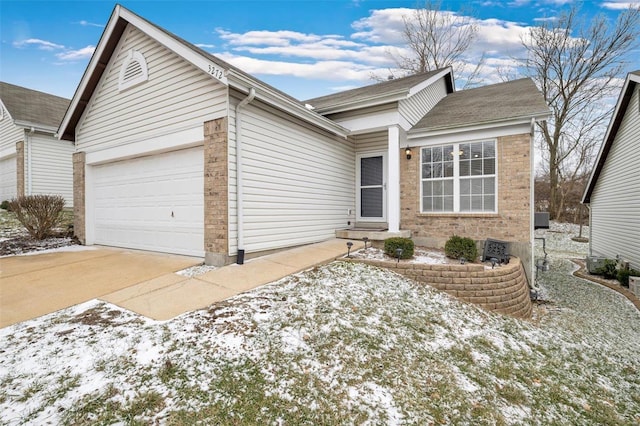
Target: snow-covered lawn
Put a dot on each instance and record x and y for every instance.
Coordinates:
(340, 344)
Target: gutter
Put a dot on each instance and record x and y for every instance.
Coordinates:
(239, 172)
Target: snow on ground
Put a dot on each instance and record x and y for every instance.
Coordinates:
(194, 271)
(339, 344)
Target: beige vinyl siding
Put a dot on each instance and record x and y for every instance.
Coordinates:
(51, 167)
(8, 178)
(615, 202)
(9, 134)
(417, 106)
(298, 181)
(369, 142)
(177, 97)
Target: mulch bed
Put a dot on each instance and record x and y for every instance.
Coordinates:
(25, 244)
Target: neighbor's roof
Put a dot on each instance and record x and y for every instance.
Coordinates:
(121, 17)
(517, 99)
(399, 88)
(30, 107)
(633, 78)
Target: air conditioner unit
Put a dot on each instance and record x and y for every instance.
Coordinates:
(634, 285)
(594, 263)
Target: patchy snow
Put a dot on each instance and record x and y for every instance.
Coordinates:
(194, 271)
(341, 343)
(64, 248)
(420, 255)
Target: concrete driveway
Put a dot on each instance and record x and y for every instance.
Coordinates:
(35, 285)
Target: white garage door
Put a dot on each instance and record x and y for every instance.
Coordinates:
(152, 203)
(8, 178)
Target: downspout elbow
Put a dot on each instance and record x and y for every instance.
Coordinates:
(239, 172)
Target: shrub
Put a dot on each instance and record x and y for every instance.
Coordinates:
(457, 247)
(406, 244)
(624, 274)
(608, 270)
(39, 214)
(5, 205)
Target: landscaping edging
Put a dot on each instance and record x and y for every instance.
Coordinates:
(503, 289)
(582, 273)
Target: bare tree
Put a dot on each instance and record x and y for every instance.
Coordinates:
(578, 68)
(436, 39)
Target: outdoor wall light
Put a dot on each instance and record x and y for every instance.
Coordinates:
(408, 153)
(398, 254)
(349, 245)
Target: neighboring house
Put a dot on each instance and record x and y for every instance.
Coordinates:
(613, 191)
(180, 152)
(32, 159)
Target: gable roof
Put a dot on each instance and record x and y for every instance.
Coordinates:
(31, 108)
(379, 93)
(224, 72)
(513, 100)
(633, 79)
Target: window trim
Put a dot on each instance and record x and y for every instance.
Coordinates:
(456, 180)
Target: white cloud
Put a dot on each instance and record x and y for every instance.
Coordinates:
(205, 45)
(40, 44)
(74, 55)
(324, 70)
(620, 5)
(382, 26)
(90, 24)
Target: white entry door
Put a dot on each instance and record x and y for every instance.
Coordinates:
(151, 203)
(371, 187)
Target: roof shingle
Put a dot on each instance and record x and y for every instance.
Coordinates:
(33, 106)
(487, 104)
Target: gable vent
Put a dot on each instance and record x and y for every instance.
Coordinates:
(134, 70)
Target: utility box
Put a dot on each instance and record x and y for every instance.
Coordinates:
(594, 263)
(634, 285)
(541, 220)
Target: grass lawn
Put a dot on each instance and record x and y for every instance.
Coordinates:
(340, 344)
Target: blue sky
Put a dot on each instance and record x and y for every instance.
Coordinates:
(306, 48)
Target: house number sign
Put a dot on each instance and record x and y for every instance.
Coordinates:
(216, 72)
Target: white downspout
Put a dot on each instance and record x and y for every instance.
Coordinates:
(239, 184)
(29, 166)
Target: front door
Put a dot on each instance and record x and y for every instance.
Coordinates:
(372, 187)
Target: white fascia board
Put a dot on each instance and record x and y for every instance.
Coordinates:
(365, 103)
(616, 111)
(417, 88)
(244, 82)
(375, 122)
(93, 63)
(471, 133)
(185, 138)
(28, 125)
(206, 64)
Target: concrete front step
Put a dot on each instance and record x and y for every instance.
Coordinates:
(359, 234)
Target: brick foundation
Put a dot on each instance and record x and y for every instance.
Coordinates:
(79, 196)
(503, 289)
(216, 192)
(20, 178)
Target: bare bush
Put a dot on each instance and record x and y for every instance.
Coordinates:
(39, 214)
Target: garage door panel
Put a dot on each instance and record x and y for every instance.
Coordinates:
(152, 203)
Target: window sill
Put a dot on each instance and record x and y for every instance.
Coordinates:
(462, 215)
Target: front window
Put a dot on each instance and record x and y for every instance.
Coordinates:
(459, 177)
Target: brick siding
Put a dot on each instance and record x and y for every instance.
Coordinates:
(216, 192)
(511, 223)
(78, 196)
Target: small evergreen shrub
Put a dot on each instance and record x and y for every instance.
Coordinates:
(5, 205)
(624, 274)
(39, 214)
(608, 270)
(457, 247)
(393, 243)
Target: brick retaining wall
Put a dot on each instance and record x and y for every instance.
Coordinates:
(503, 289)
